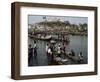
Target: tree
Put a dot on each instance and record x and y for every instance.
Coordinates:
(83, 27)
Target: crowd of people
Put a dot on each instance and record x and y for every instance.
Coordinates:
(59, 50)
(52, 51)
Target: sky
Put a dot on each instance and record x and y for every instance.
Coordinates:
(32, 19)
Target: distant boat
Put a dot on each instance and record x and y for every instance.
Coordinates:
(52, 41)
(48, 37)
(40, 38)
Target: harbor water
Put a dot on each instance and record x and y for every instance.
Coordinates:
(77, 43)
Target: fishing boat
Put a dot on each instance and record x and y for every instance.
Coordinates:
(40, 38)
(48, 37)
(59, 61)
(68, 56)
(75, 58)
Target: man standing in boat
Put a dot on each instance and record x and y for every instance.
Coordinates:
(59, 50)
(47, 47)
(80, 56)
(72, 52)
(30, 53)
(50, 55)
(35, 50)
(63, 48)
